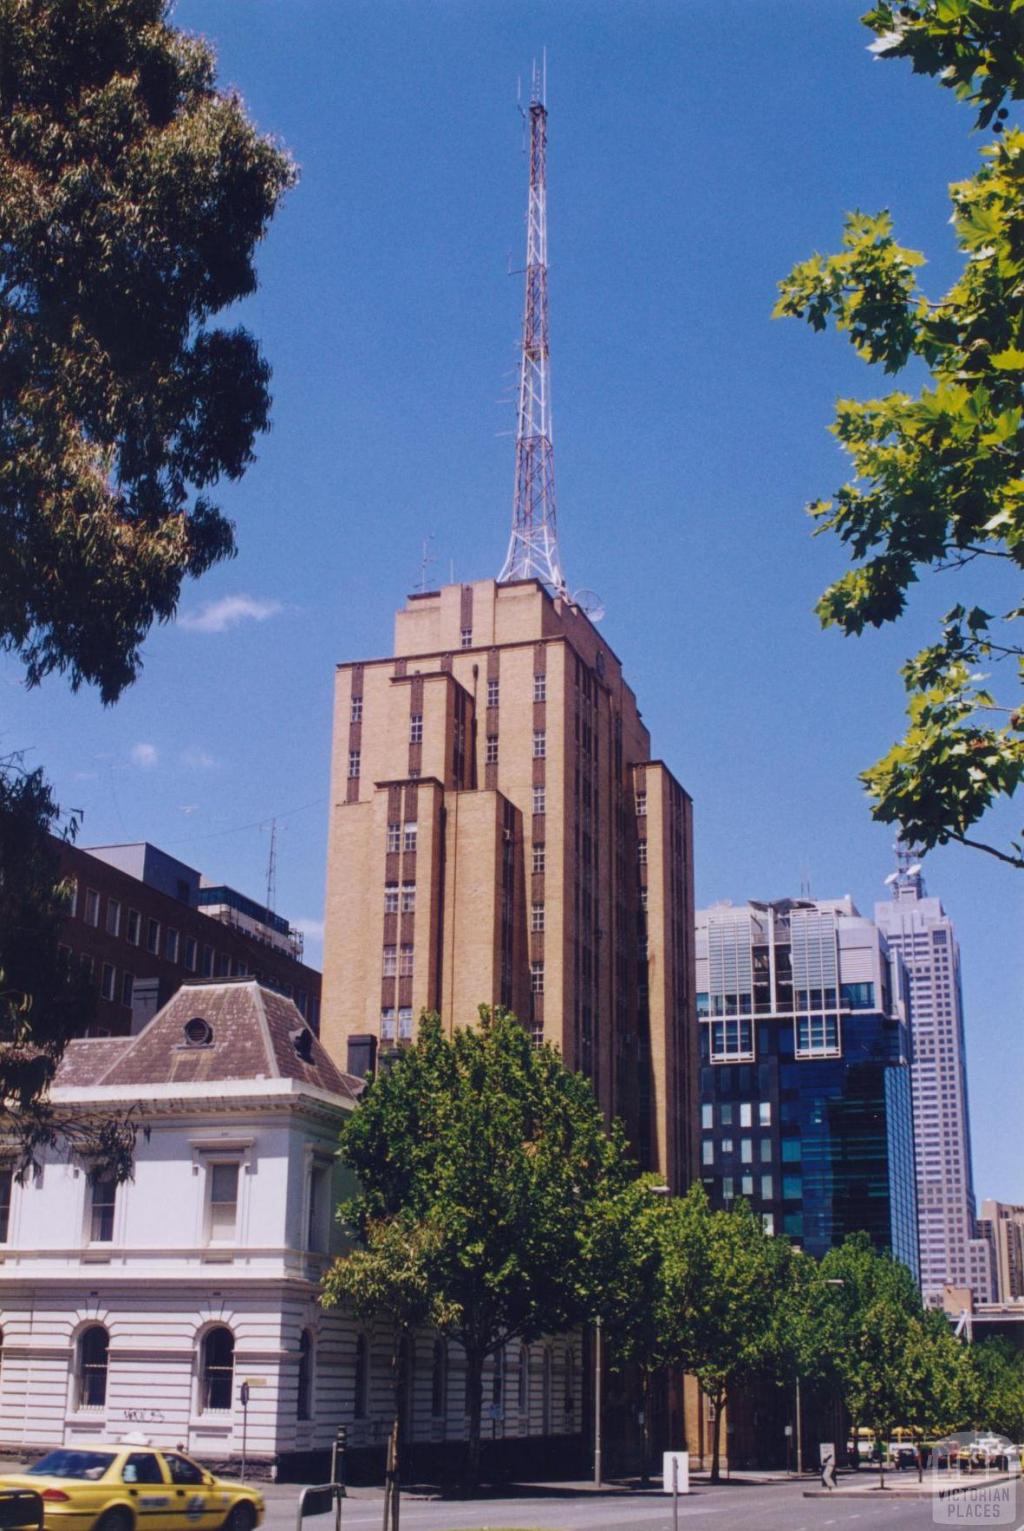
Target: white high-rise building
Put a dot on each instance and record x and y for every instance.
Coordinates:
(920, 930)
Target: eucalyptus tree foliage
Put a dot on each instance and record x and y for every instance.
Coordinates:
(497, 1156)
(938, 474)
(132, 196)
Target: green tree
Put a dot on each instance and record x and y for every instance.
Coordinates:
(388, 1280)
(643, 1256)
(492, 1147)
(736, 1278)
(132, 196)
(938, 478)
(996, 1387)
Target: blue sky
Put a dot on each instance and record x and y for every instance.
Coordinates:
(696, 152)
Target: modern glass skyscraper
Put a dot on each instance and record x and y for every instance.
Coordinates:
(805, 1077)
(919, 929)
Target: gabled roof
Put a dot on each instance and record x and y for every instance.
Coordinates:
(253, 1033)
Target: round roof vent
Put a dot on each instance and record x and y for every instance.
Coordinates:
(198, 1032)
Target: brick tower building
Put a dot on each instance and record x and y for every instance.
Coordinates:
(500, 834)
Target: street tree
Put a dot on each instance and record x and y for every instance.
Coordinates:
(387, 1280)
(495, 1149)
(645, 1247)
(938, 476)
(133, 194)
(736, 1277)
(996, 1387)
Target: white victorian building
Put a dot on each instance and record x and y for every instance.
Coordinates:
(144, 1306)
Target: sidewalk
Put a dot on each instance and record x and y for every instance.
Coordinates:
(905, 1485)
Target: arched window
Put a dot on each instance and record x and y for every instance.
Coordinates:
(93, 1348)
(523, 1393)
(304, 1400)
(362, 1378)
(439, 1382)
(216, 1369)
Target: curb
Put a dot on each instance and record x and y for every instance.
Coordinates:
(910, 1493)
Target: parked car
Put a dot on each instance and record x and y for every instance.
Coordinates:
(128, 1487)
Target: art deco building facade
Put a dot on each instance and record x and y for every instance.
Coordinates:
(500, 835)
(805, 1074)
(920, 930)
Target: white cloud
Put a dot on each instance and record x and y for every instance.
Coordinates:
(143, 755)
(195, 758)
(219, 616)
(313, 930)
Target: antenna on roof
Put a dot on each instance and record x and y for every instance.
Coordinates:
(272, 868)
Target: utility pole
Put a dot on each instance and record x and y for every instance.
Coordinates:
(533, 545)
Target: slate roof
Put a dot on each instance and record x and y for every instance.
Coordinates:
(254, 1034)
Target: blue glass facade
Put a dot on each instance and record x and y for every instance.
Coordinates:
(823, 1146)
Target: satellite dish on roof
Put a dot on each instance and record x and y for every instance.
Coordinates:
(892, 877)
(590, 603)
(915, 870)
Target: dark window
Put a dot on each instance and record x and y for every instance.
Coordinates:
(181, 1469)
(217, 1369)
(152, 936)
(362, 1377)
(439, 1387)
(303, 1408)
(142, 1467)
(93, 1348)
(6, 1181)
(104, 1197)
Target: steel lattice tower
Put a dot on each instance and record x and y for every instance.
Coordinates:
(533, 545)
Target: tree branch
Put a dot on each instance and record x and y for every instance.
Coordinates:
(979, 845)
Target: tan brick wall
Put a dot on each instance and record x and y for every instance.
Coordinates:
(516, 631)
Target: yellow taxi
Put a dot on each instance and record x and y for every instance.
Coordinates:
(129, 1487)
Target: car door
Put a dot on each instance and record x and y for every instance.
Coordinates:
(195, 1506)
(148, 1491)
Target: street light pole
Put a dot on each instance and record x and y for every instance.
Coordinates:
(799, 1433)
(597, 1401)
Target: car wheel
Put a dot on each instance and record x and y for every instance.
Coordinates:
(116, 1520)
(242, 1517)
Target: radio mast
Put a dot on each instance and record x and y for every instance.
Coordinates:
(533, 545)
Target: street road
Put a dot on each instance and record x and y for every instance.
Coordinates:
(775, 1507)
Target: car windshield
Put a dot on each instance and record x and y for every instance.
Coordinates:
(73, 1464)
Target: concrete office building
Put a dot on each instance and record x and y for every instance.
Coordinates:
(805, 1075)
(142, 923)
(500, 834)
(1001, 1226)
(919, 929)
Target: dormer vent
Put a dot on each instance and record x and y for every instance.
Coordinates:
(302, 1041)
(198, 1032)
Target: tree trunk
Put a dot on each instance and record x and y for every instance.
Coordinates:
(392, 1490)
(716, 1436)
(881, 1463)
(645, 1431)
(474, 1399)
